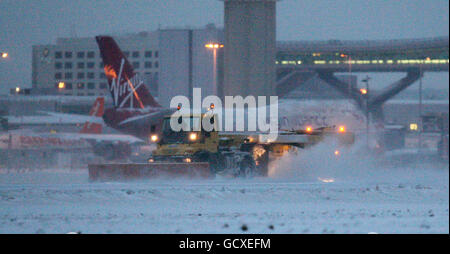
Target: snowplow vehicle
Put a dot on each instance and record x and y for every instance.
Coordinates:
(199, 153)
(230, 153)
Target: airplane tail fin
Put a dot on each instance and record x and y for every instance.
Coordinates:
(96, 111)
(127, 88)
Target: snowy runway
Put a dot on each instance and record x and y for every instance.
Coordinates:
(61, 202)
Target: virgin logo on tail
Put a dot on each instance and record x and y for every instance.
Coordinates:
(126, 87)
(123, 87)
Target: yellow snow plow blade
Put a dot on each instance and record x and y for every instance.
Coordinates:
(128, 171)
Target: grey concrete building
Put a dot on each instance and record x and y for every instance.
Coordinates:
(250, 47)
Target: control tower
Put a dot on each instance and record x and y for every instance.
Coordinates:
(250, 47)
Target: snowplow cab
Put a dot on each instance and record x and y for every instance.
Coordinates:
(186, 135)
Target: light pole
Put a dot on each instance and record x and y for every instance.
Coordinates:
(214, 47)
(365, 93)
(420, 108)
(3, 55)
(349, 60)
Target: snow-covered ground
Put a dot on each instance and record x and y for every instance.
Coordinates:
(304, 194)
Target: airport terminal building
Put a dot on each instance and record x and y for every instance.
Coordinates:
(172, 61)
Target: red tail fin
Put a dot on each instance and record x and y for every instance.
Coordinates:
(127, 88)
(97, 111)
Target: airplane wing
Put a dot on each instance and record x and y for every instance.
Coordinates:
(54, 118)
(94, 117)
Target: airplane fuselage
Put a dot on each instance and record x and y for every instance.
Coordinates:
(137, 122)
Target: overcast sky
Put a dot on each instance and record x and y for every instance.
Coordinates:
(24, 23)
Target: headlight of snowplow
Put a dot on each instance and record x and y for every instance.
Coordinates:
(187, 160)
(193, 136)
(154, 138)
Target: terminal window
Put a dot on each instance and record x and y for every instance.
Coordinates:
(90, 65)
(80, 75)
(102, 85)
(80, 54)
(68, 65)
(68, 75)
(68, 54)
(91, 75)
(135, 64)
(102, 75)
(58, 75)
(148, 65)
(126, 53)
(156, 53)
(101, 65)
(148, 54)
(135, 54)
(80, 65)
(69, 86)
(91, 86)
(80, 85)
(156, 64)
(91, 54)
(58, 65)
